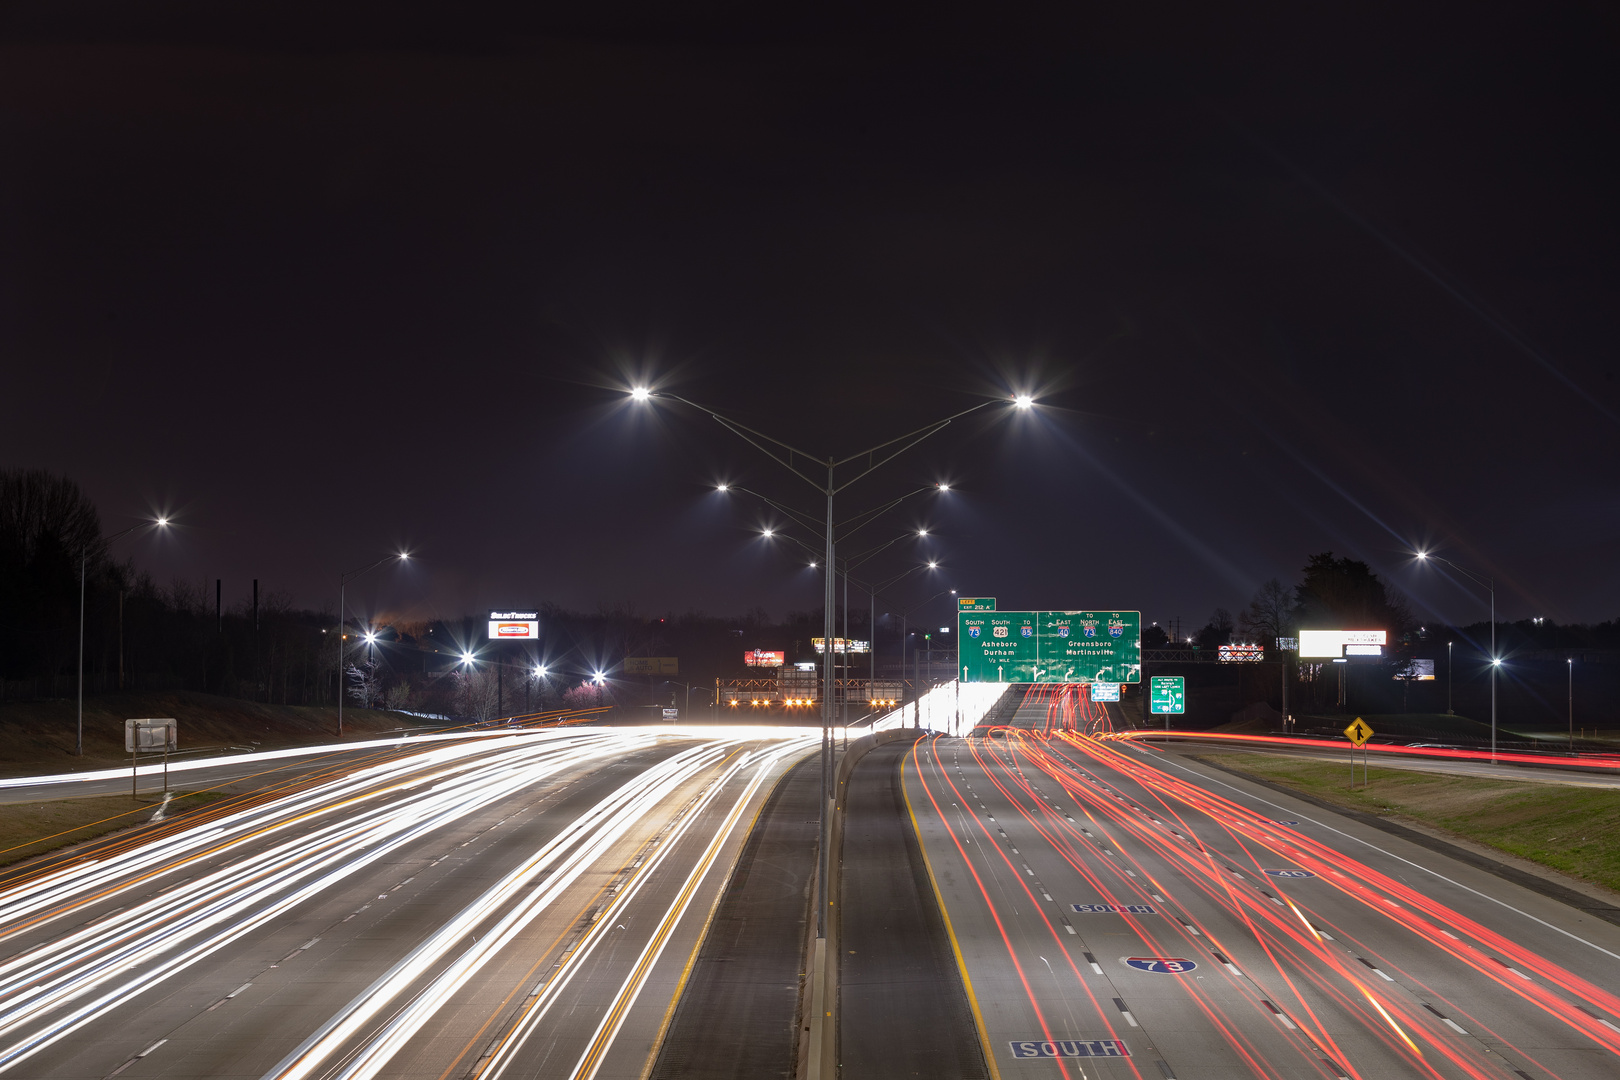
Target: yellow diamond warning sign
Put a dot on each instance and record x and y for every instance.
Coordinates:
(1358, 732)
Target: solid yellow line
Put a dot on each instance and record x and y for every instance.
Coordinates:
(950, 931)
(714, 909)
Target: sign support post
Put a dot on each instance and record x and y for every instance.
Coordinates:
(1358, 733)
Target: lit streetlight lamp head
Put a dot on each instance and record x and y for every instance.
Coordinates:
(640, 393)
(466, 658)
(943, 487)
(1023, 401)
(812, 566)
(922, 532)
(371, 637)
(599, 678)
(540, 671)
(767, 533)
(933, 566)
(722, 488)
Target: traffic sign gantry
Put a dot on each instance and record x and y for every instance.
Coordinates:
(1358, 732)
(1050, 646)
(1167, 694)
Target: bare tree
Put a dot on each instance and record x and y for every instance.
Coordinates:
(1270, 614)
(365, 683)
(477, 694)
(397, 696)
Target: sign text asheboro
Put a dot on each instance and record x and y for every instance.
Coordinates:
(1050, 646)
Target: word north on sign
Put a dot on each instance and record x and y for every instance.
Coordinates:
(1049, 646)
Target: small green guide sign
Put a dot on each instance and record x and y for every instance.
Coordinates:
(975, 603)
(1167, 694)
(1049, 646)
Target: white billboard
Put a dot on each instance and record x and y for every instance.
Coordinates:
(514, 626)
(1318, 644)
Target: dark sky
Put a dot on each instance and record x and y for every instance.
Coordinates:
(322, 280)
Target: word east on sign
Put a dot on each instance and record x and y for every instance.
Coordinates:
(1049, 646)
(514, 626)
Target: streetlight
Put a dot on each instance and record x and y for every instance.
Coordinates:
(1496, 661)
(904, 615)
(343, 584)
(849, 562)
(1571, 663)
(829, 485)
(84, 559)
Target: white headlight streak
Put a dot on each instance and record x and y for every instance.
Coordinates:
(253, 870)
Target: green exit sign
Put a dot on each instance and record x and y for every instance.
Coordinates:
(1050, 646)
(975, 603)
(1167, 694)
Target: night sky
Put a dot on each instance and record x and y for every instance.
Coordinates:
(321, 281)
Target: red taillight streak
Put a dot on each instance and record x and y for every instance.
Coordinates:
(1218, 808)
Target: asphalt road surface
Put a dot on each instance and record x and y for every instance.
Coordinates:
(1108, 900)
(517, 907)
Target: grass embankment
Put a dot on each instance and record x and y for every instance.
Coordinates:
(29, 829)
(38, 736)
(1575, 830)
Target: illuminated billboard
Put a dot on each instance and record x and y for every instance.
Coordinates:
(1322, 644)
(764, 658)
(514, 626)
(841, 645)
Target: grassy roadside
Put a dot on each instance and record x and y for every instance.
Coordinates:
(1574, 830)
(29, 829)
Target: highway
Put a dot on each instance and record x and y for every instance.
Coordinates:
(1119, 913)
(514, 907)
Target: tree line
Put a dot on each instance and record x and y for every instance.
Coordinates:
(1343, 593)
(143, 635)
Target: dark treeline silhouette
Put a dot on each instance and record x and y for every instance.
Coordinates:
(141, 635)
(1544, 663)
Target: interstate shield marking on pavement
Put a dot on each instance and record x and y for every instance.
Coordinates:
(1160, 965)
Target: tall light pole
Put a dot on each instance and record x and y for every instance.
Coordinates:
(822, 474)
(1571, 663)
(1496, 661)
(343, 584)
(905, 615)
(84, 560)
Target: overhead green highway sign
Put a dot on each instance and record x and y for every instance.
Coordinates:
(1050, 646)
(1167, 694)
